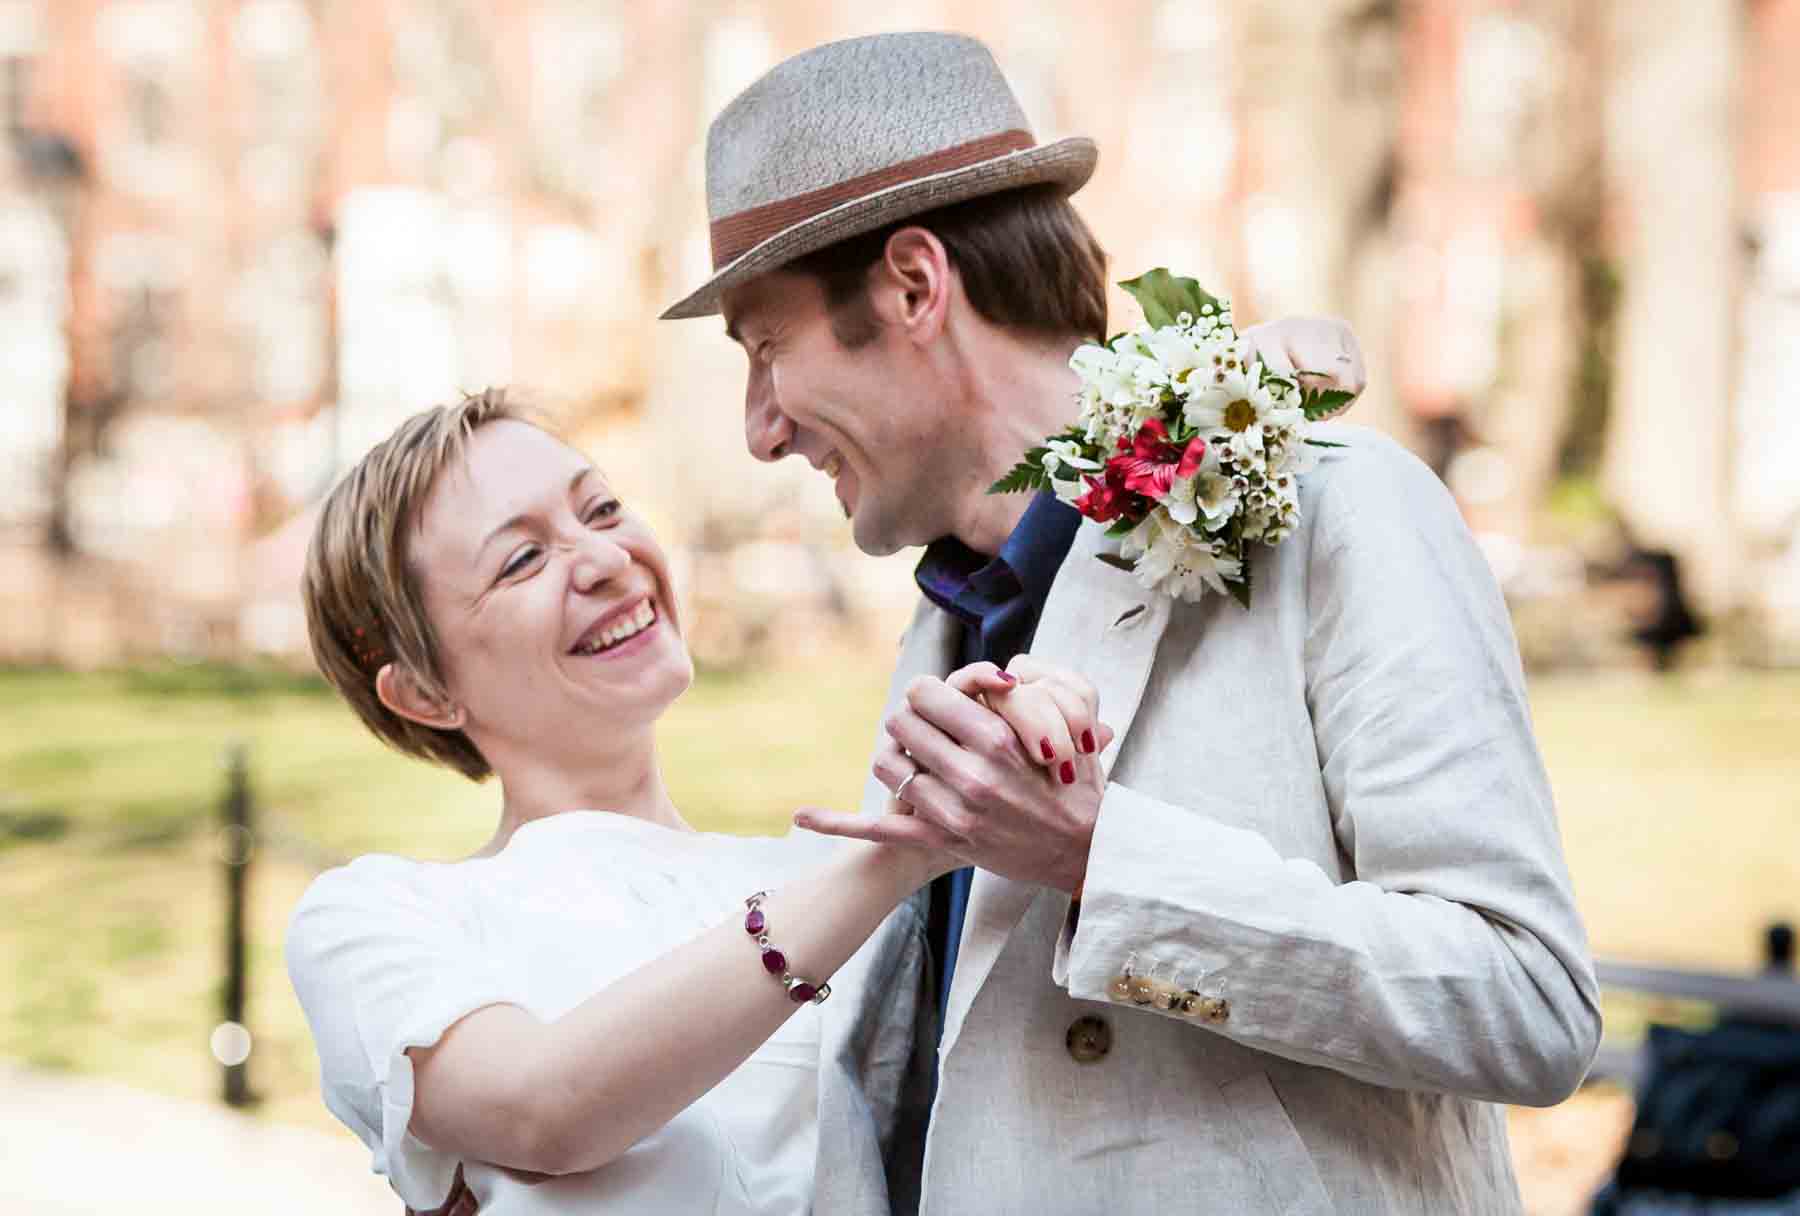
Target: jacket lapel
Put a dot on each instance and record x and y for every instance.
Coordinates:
(1101, 622)
(856, 1028)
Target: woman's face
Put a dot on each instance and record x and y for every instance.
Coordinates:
(550, 600)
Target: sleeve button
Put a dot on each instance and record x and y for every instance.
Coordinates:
(1089, 1039)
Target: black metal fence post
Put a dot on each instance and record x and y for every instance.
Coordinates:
(236, 845)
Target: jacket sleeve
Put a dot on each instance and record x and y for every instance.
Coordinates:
(1454, 959)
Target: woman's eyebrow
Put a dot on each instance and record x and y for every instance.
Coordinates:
(524, 517)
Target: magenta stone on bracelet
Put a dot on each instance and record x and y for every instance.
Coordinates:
(801, 991)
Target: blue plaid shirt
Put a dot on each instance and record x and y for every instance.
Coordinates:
(998, 600)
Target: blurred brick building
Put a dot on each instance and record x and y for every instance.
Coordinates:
(276, 227)
(240, 238)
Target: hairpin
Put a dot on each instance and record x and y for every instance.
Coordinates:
(369, 651)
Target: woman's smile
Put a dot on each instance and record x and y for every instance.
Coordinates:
(620, 635)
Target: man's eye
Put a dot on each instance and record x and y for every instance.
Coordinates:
(524, 558)
(604, 509)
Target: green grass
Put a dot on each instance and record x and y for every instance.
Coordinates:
(110, 889)
(1679, 808)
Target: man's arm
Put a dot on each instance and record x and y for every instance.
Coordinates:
(1456, 960)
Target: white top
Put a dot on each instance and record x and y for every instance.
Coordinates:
(388, 953)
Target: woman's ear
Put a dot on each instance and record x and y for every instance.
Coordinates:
(912, 284)
(406, 695)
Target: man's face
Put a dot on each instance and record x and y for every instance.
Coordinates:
(872, 419)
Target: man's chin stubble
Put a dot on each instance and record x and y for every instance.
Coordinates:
(872, 541)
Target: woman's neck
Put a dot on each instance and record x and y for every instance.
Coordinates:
(627, 782)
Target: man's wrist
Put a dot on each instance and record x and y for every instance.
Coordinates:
(1077, 881)
(1084, 854)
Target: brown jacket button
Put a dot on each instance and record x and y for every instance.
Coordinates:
(1089, 1039)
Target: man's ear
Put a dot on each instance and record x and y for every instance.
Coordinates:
(406, 695)
(912, 284)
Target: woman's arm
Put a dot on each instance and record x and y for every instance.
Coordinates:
(555, 1098)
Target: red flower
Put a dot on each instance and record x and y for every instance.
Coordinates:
(1107, 498)
(1151, 464)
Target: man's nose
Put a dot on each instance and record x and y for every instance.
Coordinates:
(768, 432)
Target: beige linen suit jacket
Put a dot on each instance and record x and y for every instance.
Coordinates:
(1328, 811)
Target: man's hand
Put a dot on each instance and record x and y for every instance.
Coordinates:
(1322, 351)
(973, 788)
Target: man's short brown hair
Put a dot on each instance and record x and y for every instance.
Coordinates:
(1028, 263)
(364, 603)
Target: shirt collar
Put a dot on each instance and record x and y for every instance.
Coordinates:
(1035, 550)
(963, 582)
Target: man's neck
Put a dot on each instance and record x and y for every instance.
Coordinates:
(1016, 392)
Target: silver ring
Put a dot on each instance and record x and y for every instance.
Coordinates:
(900, 790)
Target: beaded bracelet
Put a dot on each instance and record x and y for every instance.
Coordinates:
(799, 989)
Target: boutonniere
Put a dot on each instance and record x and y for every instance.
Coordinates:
(1186, 444)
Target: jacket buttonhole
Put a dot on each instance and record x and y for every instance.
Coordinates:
(1129, 614)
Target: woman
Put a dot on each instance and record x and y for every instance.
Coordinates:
(584, 1015)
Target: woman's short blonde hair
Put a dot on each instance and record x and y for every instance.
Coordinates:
(364, 603)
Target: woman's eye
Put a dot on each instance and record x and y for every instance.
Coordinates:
(522, 559)
(603, 510)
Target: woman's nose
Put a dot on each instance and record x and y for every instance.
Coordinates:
(596, 562)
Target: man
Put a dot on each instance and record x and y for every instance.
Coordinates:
(1316, 920)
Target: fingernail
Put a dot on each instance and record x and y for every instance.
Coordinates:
(1049, 752)
(1068, 772)
(1087, 742)
(1007, 676)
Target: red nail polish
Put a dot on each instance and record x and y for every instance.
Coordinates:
(1007, 676)
(1087, 742)
(1068, 772)
(1049, 752)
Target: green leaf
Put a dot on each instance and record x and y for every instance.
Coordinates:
(1325, 443)
(1163, 296)
(1123, 527)
(1323, 402)
(1026, 476)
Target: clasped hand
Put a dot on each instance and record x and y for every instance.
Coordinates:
(997, 769)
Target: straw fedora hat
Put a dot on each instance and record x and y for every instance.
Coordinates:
(853, 135)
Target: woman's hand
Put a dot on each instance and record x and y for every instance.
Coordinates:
(1053, 710)
(1002, 769)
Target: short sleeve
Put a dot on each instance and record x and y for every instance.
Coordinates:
(381, 962)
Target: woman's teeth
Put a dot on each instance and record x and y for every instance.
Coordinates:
(626, 627)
